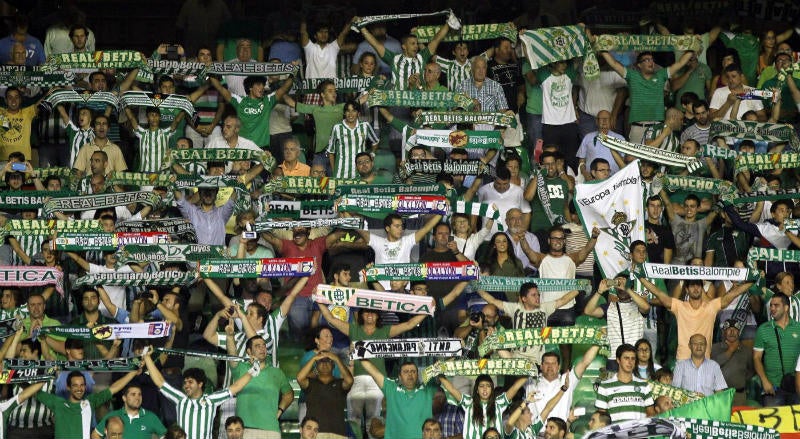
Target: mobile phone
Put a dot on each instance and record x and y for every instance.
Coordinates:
(17, 166)
(249, 235)
(578, 411)
(451, 238)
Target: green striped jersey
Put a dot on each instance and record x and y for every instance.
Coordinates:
(76, 138)
(345, 143)
(624, 401)
(403, 66)
(456, 73)
(31, 413)
(153, 146)
(472, 430)
(195, 416)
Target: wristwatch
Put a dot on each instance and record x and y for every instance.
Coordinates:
(564, 388)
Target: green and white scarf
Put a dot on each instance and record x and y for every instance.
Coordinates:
(187, 181)
(110, 332)
(695, 184)
(112, 365)
(509, 284)
(29, 76)
(256, 268)
(377, 300)
(183, 68)
(768, 161)
(108, 59)
(201, 354)
(308, 185)
(180, 228)
(29, 199)
(48, 227)
(353, 84)
(740, 129)
(370, 19)
(547, 45)
(406, 347)
(77, 241)
(429, 271)
(170, 252)
(427, 118)
(391, 189)
(469, 32)
(160, 278)
(756, 196)
(419, 99)
(157, 100)
(99, 201)
(217, 155)
(518, 338)
(139, 179)
(338, 223)
(378, 206)
(544, 197)
(772, 255)
(29, 375)
(686, 272)
(719, 152)
(296, 210)
(252, 68)
(649, 153)
(678, 395)
(652, 43)
(82, 97)
(452, 167)
(31, 276)
(460, 139)
(478, 209)
(506, 366)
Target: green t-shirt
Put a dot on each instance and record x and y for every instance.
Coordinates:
(257, 403)
(533, 104)
(68, 415)
(558, 190)
(325, 117)
(647, 95)
(140, 427)
(254, 114)
(696, 82)
(357, 334)
(768, 345)
(748, 47)
(406, 409)
(788, 105)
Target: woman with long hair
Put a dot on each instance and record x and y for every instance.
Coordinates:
(501, 260)
(645, 366)
(482, 410)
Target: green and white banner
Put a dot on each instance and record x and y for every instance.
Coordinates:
(28, 200)
(615, 207)
(773, 255)
(160, 279)
(139, 179)
(460, 139)
(157, 100)
(367, 20)
(547, 45)
(391, 189)
(430, 271)
(30, 76)
(377, 206)
(741, 129)
(469, 32)
(79, 241)
(678, 395)
(108, 59)
(252, 68)
(64, 96)
(427, 118)
(406, 348)
(216, 155)
(513, 284)
(505, 366)
(452, 167)
(518, 338)
(99, 201)
(649, 153)
(338, 223)
(483, 210)
(353, 84)
(170, 252)
(256, 268)
(651, 43)
(693, 184)
(377, 300)
(719, 152)
(111, 331)
(112, 365)
(768, 161)
(31, 276)
(419, 99)
(296, 210)
(183, 68)
(17, 227)
(308, 185)
(756, 196)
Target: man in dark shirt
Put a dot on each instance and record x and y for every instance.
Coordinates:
(505, 70)
(660, 240)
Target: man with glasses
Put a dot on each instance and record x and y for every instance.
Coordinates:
(600, 169)
(646, 86)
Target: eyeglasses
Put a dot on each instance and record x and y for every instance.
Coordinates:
(556, 238)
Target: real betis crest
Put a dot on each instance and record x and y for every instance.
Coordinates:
(561, 41)
(157, 100)
(86, 95)
(621, 232)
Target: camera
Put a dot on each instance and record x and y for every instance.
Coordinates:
(249, 235)
(17, 166)
(476, 316)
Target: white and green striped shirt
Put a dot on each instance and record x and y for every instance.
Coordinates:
(624, 401)
(30, 244)
(345, 143)
(153, 146)
(195, 416)
(77, 137)
(471, 429)
(456, 73)
(403, 66)
(5, 406)
(31, 413)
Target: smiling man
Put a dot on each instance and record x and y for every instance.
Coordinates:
(138, 422)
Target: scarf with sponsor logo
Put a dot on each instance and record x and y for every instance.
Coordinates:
(461, 271)
(353, 84)
(159, 279)
(506, 366)
(419, 99)
(452, 167)
(99, 201)
(741, 129)
(518, 338)
(469, 32)
(378, 206)
(110, 332)
(547, 45)
(170, 252)
(339, 223)
(377, 300)
(31, 375)
(79, 241)
(308, 185)
(406, 347)
(182, 68)
(427, 118)
(509, 284)
(544, 197)
(256, 268)
(180, 229)
(460, 139)
(668, 271)
(391, 189)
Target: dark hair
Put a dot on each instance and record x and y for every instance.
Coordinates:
(351, 103)
(130, 386)
(499, 41)
(431, 421)
(626, 347)
(551, 354)
(733, 68)
(635, 244)
(442, 224)
(367, 54)
(360, 317)
(525, 288)
(306, 419)
(489, 430)
(596, 162)
(477, 409)
(175, 432)
(407, 37)
(250, 81)
(789, 205)
(560, 423)
(661, 373)
(74, 374)
(387, 222)
(75, 27)
(233, 420)
(10, 89)
(700, 103)
(603, 417)
(729, 51)
(324, 83)
(443, 177)
(692, 197)
(260, 311)
(502, 173)
(690, 97)
(254, 338)
(650, 365)
(152, 110)
(32, 344)
(196, 374)
(98, 117)
(782, 297)
(364, 154)
(642, 55)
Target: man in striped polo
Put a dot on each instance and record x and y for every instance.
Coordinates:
(624, 396)
(196, 410)
(30, 419)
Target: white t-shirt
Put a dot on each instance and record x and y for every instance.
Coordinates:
(721, 95)
(557, 108)
(544, 391)
(321, 61)
(397, 252)
(557, 268)
(511, 198)
(219, 142)
(600, 93)
(116, 294)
